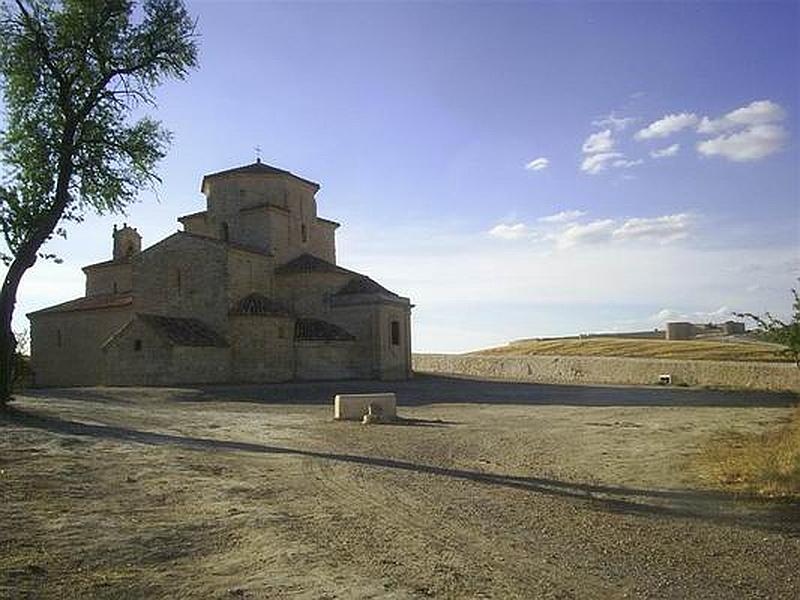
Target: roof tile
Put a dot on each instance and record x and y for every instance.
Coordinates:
(183, 331)
(318, 330)
(97, 302)
(258, 304)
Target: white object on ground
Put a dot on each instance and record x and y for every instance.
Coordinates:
(353, 407)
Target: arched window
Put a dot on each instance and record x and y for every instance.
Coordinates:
(224, 232)
(128, 251)
(115, 287)
(58, 338)
(303, 233)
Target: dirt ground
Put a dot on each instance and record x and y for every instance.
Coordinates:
(484, 490)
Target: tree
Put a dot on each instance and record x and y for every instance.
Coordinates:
(72, 73)
(781, 332)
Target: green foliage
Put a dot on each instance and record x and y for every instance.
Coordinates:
(775, 330)
(72, 73)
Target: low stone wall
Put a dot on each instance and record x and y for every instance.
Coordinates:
(613, 370)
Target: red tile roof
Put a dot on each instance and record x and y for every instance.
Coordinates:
(107, 263)
(258, 304)
(319, 330)
(363, 285)
(183, 331)
(233, 245)
(98, 302)
(256, 168)
(308, 263)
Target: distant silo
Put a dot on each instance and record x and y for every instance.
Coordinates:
(680, 330)
(732, 327)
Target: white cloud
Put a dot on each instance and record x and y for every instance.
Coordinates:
(510, 232)
(665, 229)
(665, 315)
(754, 143)
(667, 125)
(588, 233)
(599, 156)
(665, 152)
(595, 163)
(538, 164)
(613, 122)
(602, 141)
(562, 217)
(661, 230)
(759, 112)
(624, 163)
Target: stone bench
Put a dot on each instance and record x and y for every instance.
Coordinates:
(353, 407)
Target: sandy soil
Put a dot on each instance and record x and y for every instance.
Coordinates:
(485, 490)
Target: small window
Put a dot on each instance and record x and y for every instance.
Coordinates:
(395, 333)
(129, 251)
(137, 345)
(115, 287)
(58, 338)
(178, 282)
(282, 332)
(224, 233)
(303, 233)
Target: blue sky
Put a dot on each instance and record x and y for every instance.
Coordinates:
(517, 169)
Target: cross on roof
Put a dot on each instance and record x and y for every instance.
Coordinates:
(258, 154)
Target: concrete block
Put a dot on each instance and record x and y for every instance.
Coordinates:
(353, 407)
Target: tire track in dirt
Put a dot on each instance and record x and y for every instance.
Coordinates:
(455, 540)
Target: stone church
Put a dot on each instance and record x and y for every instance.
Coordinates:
(249, 291)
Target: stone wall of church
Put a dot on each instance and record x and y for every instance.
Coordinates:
(204, 364)
(329, 360)
(197, 224)
(386, 347)
(140, 356)
(306, 294)
(254, 228)
(66, 346)
(113, 278)
(184, 276)
(248, 273)
(287, 233)
(323, 240)
(279, 235)
(262, 348)
(394, 342)
(127, 363)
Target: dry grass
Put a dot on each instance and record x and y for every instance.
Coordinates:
(685, 350)
(766, 463)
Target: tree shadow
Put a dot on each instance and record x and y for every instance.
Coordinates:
(425, 390)
(717, 507)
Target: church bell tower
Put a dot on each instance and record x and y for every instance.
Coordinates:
(127, 242)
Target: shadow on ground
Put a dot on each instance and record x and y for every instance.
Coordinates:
(429, 389)
(719, 507)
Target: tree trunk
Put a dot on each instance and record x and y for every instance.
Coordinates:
(24, 259)
(8, 343)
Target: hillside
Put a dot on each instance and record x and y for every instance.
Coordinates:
(687, 350)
